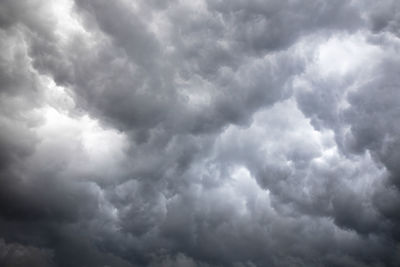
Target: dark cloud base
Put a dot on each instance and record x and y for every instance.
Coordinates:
(199, 133)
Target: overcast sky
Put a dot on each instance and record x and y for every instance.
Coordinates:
(199, 133)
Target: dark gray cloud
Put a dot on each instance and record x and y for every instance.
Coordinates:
(15, 254)
(199, 133)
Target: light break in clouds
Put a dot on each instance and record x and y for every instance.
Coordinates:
(207, 133)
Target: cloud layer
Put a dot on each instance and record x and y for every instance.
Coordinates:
(199, 133)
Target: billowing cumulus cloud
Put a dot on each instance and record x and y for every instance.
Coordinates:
(205, 133)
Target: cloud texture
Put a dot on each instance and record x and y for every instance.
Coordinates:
(205, 133)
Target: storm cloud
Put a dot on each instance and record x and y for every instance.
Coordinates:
(205, 133)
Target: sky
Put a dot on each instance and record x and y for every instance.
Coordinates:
(201, 133)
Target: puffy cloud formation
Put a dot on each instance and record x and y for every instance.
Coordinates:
(205, 133)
